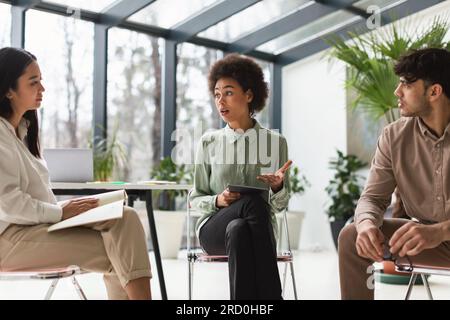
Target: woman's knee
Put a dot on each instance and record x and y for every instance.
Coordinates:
(130, 214)
(255, 203)
(130, 218)
(236, 229)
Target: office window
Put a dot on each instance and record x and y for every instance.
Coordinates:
(263, 116)
(5, 25)
(134, 100)
(195, 105)
(64, 50)
(196, 110)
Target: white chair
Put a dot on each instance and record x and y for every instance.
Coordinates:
(424, 271)
(48, 274)
(198, 255)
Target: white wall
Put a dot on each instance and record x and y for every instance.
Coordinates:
(314, 123)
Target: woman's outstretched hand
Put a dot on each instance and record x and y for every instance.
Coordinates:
(275, 180)
(74, 207)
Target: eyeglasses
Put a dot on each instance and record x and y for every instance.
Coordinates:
(388, 256)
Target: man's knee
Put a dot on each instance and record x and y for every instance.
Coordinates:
(347, 237)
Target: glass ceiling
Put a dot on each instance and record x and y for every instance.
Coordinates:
(170, 13)
(167, 13)
(92, 5)
(251, 18)
(320, 27)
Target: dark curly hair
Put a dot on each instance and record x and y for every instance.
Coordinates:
(431, 65)
(247, 73)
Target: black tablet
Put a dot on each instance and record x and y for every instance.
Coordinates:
(245, 189)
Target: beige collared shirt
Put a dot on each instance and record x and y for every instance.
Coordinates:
(25, 192)
(412, 158)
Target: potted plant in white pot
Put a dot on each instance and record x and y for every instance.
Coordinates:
(109, 155)
(344, 189)
(298, 184)
(169, 221)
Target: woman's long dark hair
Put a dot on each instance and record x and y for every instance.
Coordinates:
(13, 62)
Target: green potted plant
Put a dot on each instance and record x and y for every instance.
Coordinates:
(109, 154)
(298, 184)
(169, 221)
(344, 190)
(167, 170)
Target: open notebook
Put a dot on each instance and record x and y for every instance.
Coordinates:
(110, 206)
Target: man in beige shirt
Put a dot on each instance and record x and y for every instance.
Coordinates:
(413, 154)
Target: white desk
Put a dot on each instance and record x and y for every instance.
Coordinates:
(134, 191)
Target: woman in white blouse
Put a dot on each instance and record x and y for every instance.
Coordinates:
(116, 248)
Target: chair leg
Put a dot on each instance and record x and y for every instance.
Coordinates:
(412, 281)
(283, 288)
(50, 290)
(78, 289)
(191, 278)
(294, 286)
(426, 285)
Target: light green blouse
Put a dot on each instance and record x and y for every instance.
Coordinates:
(227, 156)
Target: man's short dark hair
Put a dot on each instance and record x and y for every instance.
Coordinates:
(431, 65)
(246, 72)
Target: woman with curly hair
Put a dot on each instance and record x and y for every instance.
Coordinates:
(241, 225)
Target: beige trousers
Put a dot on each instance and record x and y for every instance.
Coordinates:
(116, 248)
(355, 272)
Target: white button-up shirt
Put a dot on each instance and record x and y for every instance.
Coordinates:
(25, 194)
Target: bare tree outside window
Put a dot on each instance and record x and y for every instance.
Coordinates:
(66, 62)
(195, 105)
(74, 86)
(5, 25)
(134, 99)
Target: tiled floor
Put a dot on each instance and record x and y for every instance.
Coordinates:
(316, 273)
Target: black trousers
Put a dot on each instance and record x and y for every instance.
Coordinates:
(244, 232)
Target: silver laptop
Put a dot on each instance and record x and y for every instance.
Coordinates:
(70, 165)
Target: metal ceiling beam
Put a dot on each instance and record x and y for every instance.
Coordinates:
(209, 17)
(346, 5)
(26, 4)
(120, 11)
(318, 44)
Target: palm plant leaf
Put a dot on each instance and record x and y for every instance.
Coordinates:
(371, 58)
